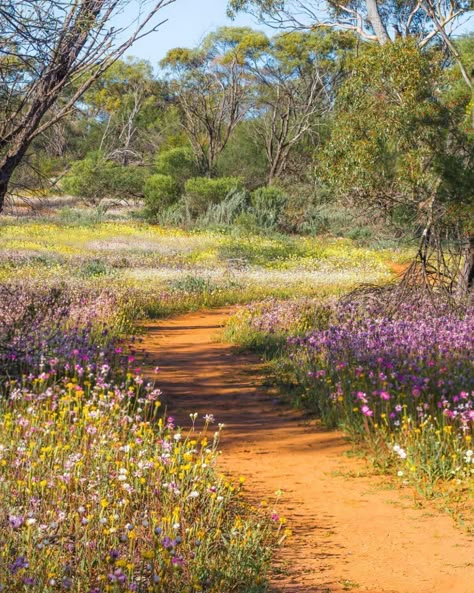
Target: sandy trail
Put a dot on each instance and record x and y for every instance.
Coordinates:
(349, 533)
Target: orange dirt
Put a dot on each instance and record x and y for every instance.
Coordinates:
(398, 269)
(350, 533)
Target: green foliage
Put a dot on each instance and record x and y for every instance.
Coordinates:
(114, 89)
(394, 143)
(236, 44)
(161, 191)
(244, 156)
(177, 163)
(94, 178)
(192, 284)
(229, 44)
(95, 268)
(379, 110)
(202, 191)
(226, 212)
(268, 204)
(299, 50)
(457, 94)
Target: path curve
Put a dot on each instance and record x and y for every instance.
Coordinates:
(349, 533)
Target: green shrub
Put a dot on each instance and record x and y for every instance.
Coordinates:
(94, 268)
(202, 191)
(246, 222)
(95, 178)
(225, 212)
(175, 215)
(244, 156)
(161, 191)
(268, 204)
(178, 163)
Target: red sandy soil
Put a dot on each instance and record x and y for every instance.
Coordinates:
(350, 531)
(398, 269)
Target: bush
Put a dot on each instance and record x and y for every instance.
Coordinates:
(160, 519)
(227, 211)
(95, 178)
(244, 156)
(268, 203)
(178, 163)
(161, 191)
(202, 191)
(175, 215)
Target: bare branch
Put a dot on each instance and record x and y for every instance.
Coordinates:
(56, 50)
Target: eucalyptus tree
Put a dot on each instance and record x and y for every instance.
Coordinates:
(212, 88)
(372, 20)
(51, 52)
(123, 103)
(380, 21)
(399, 146)
(296, 78)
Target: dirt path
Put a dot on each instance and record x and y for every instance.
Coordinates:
(349, 533)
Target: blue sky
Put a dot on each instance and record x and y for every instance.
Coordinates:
(188, 22)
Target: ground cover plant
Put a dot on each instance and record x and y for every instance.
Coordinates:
(100, 491)
(160, 271)
(402, 383)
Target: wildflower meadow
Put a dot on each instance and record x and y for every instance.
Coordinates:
(100, 490)
(401, 383)
(236, 247)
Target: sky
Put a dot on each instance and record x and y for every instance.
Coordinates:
(188, 21)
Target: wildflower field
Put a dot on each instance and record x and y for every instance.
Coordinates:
(154, 271)
(401, 384)
(236, 296)
(100, 490)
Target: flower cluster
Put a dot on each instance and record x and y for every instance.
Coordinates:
(46, 329)
(101, 494)
(404, 382)
(417, 365)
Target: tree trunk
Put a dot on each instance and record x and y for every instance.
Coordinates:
(7, 167)
(271, 173)
(4, 181)
(466, 275)
(373, 16)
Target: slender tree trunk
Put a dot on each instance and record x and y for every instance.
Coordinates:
(466, 275)
(4, 181)
(8, 164)
(375, 20)
(272, 172)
